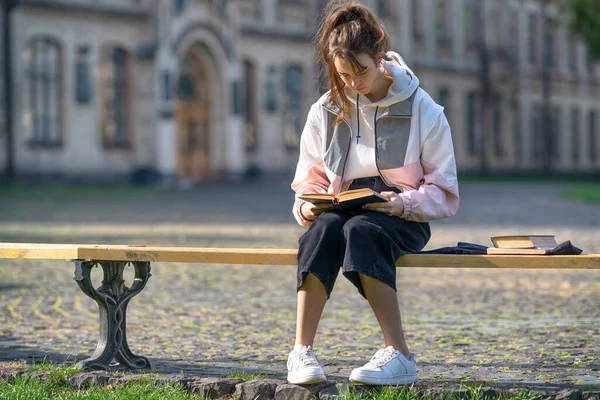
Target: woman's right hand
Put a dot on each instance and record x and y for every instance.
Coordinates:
(311, 211)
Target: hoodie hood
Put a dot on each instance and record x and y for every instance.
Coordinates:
(404, 84)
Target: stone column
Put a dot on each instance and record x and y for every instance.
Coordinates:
(235, 155)
(166, 126)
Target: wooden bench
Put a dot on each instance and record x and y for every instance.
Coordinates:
(113, 296)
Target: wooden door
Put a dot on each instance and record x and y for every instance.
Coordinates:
(193, 121)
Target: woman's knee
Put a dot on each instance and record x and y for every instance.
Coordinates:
(362, 226)
(327, 225)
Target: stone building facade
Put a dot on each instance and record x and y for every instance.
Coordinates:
(200, 89)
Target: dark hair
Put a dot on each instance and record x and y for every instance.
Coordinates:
(349, 28)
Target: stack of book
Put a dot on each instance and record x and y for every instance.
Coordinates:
(522, 244)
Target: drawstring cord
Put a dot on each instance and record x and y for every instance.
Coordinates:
(358, 120)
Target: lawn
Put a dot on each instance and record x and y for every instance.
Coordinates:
(589, 193)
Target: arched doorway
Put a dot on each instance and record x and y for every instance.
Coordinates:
(193, 120)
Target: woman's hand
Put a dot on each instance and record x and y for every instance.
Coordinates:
(394, 207)
(311, 211)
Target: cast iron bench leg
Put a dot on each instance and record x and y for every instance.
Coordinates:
(112, 298)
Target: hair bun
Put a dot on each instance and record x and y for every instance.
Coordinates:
(351, 16)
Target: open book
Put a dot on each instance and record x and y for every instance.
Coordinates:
(349, 199)
(522, 244)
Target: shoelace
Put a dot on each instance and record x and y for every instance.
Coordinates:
(308, 357)
(383, 356)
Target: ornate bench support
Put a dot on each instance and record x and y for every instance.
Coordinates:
(112, 298)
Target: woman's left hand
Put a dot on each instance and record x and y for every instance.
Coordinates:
(394, 207)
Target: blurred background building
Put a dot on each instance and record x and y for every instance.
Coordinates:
(194, 90)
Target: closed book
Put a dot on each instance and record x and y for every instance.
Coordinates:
(516, 251)
(524, 241)
(350, 198)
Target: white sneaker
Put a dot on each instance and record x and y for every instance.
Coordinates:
(387, 367)
(303, 367)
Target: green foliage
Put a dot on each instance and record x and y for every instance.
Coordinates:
(23, 389)
(588, 193)
(584, 16)
(246, 376)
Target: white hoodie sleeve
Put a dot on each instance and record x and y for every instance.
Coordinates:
(437, 197)
(310, 172)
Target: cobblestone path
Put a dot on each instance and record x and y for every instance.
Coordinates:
(508, 326)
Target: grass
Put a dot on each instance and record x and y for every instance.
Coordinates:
(41, 390)
(469, 392)
(56, 386)
(589, 193)
(246, 376)
(527, 178)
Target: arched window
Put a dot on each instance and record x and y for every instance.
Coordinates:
(42, 117)
(114, 77)
(292, 113)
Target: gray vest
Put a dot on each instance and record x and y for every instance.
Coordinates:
(391, 137)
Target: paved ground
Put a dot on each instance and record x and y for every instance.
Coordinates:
(517, 327)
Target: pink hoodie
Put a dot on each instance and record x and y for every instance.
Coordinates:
(413, 146)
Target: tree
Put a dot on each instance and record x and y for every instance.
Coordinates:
(584, 18)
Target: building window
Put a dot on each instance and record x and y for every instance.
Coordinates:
(115, 97)
(43, 101)
(536, 140)
(470, 21)
(513, 36)
(576, 136)
(590, 65)
(292, 112)
(533, 39)
(594, 139)
(83, 84)
(417, 19)
(271, 93)
(443, 18)
(249, 109)
(550, 55)
(517, 132)
(383, 8)
(178, 6)
(497, 125)
(472, 142)
(555, 130)
(444, 101)
(572, 53)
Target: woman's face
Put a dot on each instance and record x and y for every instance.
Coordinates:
(361, 81)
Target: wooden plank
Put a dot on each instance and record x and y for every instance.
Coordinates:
(40, 251)
(190, 255)
(589, 261)
(278, 256)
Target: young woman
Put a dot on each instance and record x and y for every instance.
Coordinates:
(374, 128)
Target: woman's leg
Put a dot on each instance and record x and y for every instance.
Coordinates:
(312, 297)
(373, 243)
(318, 266)
(319, 262)
(384, 301)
